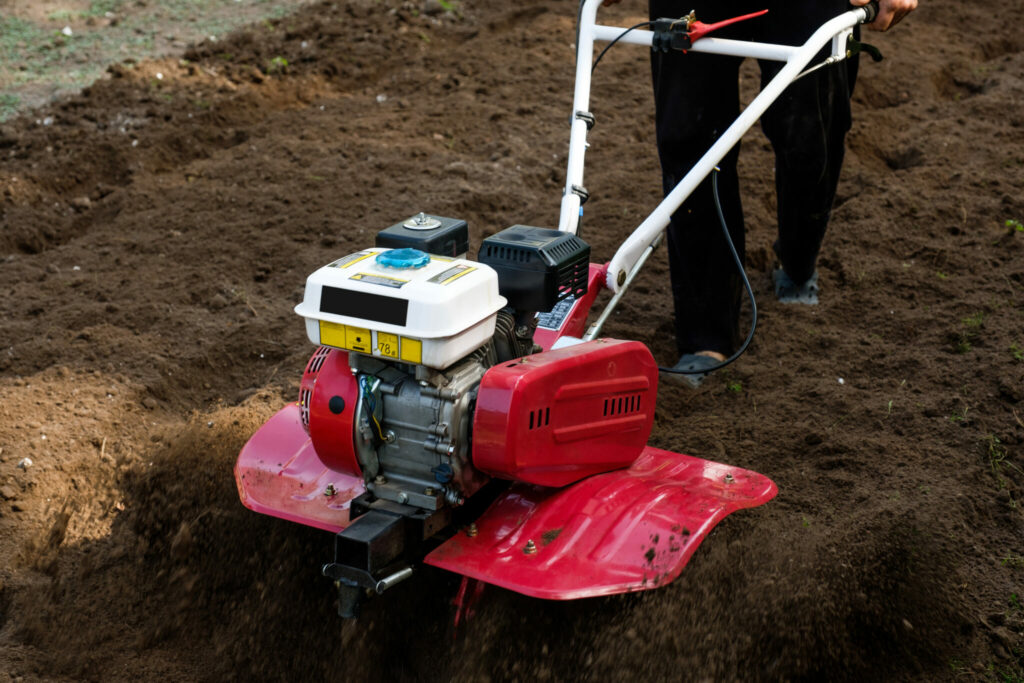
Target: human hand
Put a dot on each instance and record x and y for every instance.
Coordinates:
(890, 12)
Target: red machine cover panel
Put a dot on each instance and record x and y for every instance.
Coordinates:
(559, 416)
(622, 531)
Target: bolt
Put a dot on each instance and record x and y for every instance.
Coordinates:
(621, 278)
(403, 497)
(471, 530)
(330, 491)
(428, 491)
(380, 479)
(522, 331)
(390, 437)
(729, 479)
(421, 218)
(530, 548)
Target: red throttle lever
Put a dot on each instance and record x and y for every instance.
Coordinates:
(681, 34)
(698, 29)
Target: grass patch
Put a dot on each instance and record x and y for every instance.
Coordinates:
(8, 106)
(38, 62)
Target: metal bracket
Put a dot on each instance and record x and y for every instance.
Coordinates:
(587, 118)
(582, 192)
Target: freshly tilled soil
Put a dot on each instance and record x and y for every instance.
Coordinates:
(156, 234)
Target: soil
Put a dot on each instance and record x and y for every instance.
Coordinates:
(156, 233)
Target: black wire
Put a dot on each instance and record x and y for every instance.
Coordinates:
(617, 39)
(721, 219)
(746, 283)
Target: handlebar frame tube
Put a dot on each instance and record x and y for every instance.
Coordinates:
(796, 58)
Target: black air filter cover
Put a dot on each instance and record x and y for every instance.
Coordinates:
(431, 234)
(537, 267)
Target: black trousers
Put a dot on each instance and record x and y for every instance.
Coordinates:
(696, 98)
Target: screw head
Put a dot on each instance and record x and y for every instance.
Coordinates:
(621, 278)
(729, 479)
(380, 479)
(471, 530)
(428, 491)
(330, 491)
(530, 547)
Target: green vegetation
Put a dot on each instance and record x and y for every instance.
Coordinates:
(38, 60)
(1015, 225)
(962, 340)
(959, 416)
(8, 106)
(277, 65)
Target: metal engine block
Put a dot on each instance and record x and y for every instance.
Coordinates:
(412, 435)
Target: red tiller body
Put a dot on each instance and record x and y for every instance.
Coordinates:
(557, 417)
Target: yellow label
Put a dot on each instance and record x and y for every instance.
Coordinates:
(332, 334)
(382, 280)
(452, 274)
(358, 339)
(352, 259)
(387, 344)
(412, 350)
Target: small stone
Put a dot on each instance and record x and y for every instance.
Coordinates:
(432, 7)
(907, 625)
(8, 492)
(81, 203)
(149, 403)
(24, 463)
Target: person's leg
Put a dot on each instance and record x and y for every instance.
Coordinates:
(807, 127)
(696, 98)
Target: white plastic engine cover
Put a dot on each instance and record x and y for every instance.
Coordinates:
(432, 315)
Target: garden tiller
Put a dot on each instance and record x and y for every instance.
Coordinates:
(461, 413)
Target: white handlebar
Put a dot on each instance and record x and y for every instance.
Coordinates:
(835, 31)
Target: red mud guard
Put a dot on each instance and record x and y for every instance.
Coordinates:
(622, 531)
(279, 474)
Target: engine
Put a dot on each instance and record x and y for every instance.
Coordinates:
(427, 385)
(405, 337)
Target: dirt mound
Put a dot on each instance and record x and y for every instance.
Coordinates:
(157, 232)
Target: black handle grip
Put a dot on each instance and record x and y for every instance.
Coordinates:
(870, 11)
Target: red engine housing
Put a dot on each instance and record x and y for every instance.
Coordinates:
(327, 401)
(556, 417)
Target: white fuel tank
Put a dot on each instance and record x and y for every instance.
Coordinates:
(402, 305)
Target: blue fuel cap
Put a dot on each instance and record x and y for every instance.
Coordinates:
(403, 258)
